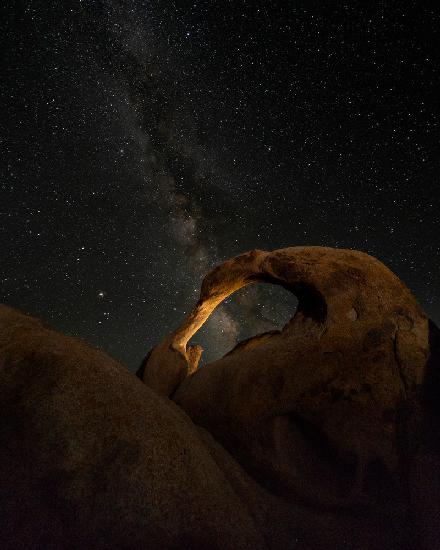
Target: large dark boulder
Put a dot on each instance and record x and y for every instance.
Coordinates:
(92, 458)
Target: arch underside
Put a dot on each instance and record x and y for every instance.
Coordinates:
(219, 285)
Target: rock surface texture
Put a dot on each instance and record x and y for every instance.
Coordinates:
(322, 435)
(92, 458)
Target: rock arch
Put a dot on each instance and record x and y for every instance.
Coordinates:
(342, 372)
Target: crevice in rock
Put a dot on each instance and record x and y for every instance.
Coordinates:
(399, 364)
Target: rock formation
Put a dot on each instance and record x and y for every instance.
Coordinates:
(341, 379)
(322, 435)
(92, 458)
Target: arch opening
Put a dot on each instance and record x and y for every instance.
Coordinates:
(252, 310)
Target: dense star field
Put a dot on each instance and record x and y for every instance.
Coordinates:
(144, 142)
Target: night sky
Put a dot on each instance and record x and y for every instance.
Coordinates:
(144, 142)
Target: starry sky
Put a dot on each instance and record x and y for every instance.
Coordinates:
(144, 142)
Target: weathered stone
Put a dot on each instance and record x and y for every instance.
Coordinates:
(92, 458)
(326, 410)
(323, 435)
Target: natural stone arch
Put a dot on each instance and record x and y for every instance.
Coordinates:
(175, 357)
(248, 316)
(234, 274)
(353, 355)
(336, 290)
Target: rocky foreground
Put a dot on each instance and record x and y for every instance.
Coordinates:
(322, 435)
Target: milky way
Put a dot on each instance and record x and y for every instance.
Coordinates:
(145, 142)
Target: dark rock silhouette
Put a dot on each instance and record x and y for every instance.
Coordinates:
(323, 435)
(92, 458)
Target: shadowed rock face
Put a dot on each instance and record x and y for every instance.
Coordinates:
(92, 458)
(324, 435)
(326, 410)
